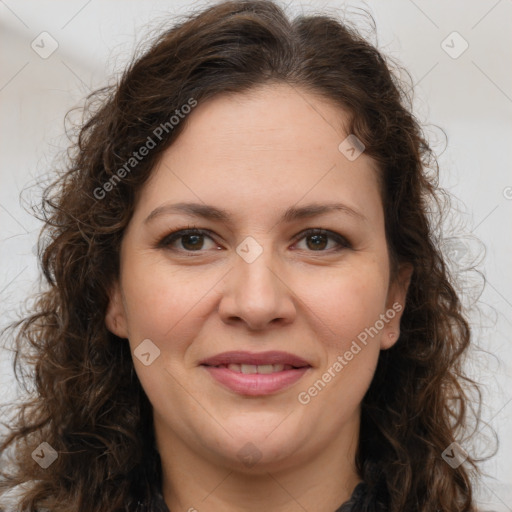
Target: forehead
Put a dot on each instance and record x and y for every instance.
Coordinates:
(270, 148)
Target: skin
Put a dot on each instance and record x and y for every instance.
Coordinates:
(257, 154)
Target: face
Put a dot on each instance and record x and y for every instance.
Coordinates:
(296, 291)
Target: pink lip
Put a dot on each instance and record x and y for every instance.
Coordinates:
(255, 384)
(243, 357)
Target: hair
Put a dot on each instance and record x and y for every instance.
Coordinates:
(86, 401)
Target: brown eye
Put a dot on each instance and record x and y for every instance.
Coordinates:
(192, 240)
(317, 240)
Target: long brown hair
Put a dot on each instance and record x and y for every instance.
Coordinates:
(86, 400)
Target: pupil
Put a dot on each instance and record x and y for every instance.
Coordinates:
(316, 237)
(195, 239)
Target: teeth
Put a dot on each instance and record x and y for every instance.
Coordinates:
(249, 368)
(263, 369)
(266, 368)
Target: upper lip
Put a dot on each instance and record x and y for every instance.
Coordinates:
(260, 358)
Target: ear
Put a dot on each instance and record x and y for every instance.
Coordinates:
(115, 317)
(395, 305)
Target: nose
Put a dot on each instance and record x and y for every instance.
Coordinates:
(256, 294)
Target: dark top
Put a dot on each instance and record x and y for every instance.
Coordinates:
(356, 503)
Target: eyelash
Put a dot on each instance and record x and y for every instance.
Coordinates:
(168, 239)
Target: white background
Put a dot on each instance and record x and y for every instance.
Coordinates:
(469, 97)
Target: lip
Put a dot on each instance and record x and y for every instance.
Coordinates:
(256, 384)
(256, 358)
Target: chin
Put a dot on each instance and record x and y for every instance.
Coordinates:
(256, 450)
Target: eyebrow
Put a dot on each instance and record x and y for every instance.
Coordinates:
(218, 214)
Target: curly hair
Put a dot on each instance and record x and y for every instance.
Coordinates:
(86, 401)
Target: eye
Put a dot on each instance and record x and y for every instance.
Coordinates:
(319, 240)
(192, 240)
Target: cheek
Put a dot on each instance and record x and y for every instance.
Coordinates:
(349, 308)
(160, 299)
(163, 305)
(167, 303)
(346, 302)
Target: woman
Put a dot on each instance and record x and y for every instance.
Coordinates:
(246, 308)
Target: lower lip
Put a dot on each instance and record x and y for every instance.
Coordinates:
(255, 384)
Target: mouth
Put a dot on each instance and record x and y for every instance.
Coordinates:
(256, 374)
(259, 359)
(262, 369)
